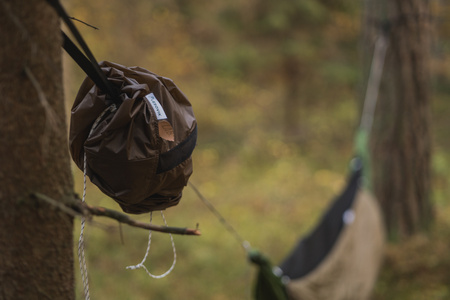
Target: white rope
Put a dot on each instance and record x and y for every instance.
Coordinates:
(81, 255)
(141, 264)
(373, 86)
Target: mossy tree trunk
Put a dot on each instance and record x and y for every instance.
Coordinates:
(401, 143)
(36, 245)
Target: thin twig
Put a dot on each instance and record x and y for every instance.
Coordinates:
(73, 206)
(60, 205)
(87, 24)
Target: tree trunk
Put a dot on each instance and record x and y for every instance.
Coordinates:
(401, 139)
(36, 245)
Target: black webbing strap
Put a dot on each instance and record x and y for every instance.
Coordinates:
(88, 64)
(82, 61)
(175, 156)
(167, 160)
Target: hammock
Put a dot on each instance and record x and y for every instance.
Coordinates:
(340, 257)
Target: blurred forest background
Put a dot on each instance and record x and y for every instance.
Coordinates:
(277, 90)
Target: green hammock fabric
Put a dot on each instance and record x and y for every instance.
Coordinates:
(268, 285)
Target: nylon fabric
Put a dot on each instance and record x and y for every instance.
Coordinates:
(268, 285)
(124, 150)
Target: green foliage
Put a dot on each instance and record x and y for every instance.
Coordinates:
(229, 58)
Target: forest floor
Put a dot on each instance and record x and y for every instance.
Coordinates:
(419, 268)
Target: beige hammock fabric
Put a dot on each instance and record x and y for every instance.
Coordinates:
(350, 270)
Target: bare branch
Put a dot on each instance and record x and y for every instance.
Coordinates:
(75, 207)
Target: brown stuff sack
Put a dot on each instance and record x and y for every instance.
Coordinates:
(139, 154)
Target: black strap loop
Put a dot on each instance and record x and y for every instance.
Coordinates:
(82, 61)
(88, 64)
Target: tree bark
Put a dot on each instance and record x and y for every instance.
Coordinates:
(401, 145)
(36, 245)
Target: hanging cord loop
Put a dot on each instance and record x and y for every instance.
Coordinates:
(141, 264)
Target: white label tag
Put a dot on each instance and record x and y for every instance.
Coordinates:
(157, 108)
(164, 128)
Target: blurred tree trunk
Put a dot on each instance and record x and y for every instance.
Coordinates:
(36, 245)
(401, 143)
